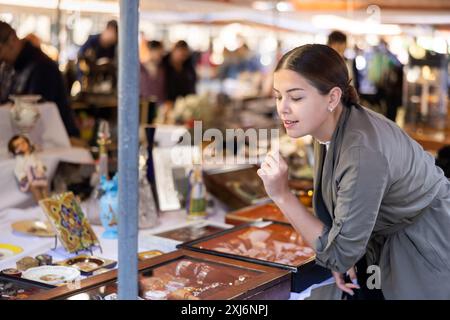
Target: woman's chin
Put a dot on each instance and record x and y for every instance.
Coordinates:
(295, 133)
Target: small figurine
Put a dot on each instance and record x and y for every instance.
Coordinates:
(29, 170)
(196, 201)
(109, 206)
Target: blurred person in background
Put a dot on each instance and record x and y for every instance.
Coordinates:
(6, 81)
(239, 63)
(180, 74)
(102, 45)
(338, 41)
(97, 61)
(49, 50)
(385, 71)
(35, 73)
(152, 77)
(152, 73)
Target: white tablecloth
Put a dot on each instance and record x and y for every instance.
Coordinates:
(49, 131)
(53, 145)
(11, 196)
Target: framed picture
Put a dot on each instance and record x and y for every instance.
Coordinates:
(172, 166)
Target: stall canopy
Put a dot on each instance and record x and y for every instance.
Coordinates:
(354, 16)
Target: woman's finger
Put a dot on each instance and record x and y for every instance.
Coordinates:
(261, 172)
(344, 288)
(340, 283)
(352, 274)
(266, 167)
(271, 162)
(352, 286)
(275, 156)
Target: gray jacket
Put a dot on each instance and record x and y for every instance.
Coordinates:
(381, 195)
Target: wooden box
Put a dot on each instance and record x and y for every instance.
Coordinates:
(242, 187)
(268, 243)
(187, 275)
(236, 188)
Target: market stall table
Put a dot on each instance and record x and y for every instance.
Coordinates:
(33, 246)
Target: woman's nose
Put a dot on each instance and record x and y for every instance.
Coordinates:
(283, 106)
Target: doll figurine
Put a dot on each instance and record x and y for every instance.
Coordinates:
(29, 170)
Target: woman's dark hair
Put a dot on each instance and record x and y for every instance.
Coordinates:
(14, 138)
(323, 68)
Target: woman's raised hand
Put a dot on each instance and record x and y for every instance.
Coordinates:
(274, 174)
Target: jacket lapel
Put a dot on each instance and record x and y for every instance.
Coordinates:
(327, 165)
(327, 178)
(320, 208)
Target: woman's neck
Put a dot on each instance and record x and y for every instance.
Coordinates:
(326, 130)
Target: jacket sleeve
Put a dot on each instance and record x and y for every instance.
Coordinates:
(361, 178)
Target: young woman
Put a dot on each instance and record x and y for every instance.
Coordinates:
(379, 198)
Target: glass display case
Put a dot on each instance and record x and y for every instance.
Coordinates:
(16, 288)
(186, 275)
(426, 89)
(167, 239)
(268, 243)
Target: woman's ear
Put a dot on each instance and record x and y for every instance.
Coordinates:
(334, 97)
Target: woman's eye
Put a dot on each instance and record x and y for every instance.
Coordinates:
(297, 99)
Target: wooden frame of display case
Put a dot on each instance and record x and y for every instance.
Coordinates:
(26, 283)
(238, 217)
(235, 217)
(271, 284)
(303, 275)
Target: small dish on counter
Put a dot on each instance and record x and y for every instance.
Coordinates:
(87, 264)
(53, 275)
(35, 228)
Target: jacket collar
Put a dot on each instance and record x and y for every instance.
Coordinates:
(324, 168)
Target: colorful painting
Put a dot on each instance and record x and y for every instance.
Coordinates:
(69, 221)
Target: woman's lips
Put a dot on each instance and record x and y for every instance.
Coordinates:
(289, 123)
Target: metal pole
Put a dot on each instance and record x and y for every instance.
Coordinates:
(58, 29)
(128, 148)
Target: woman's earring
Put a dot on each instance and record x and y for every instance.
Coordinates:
(330, 109)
